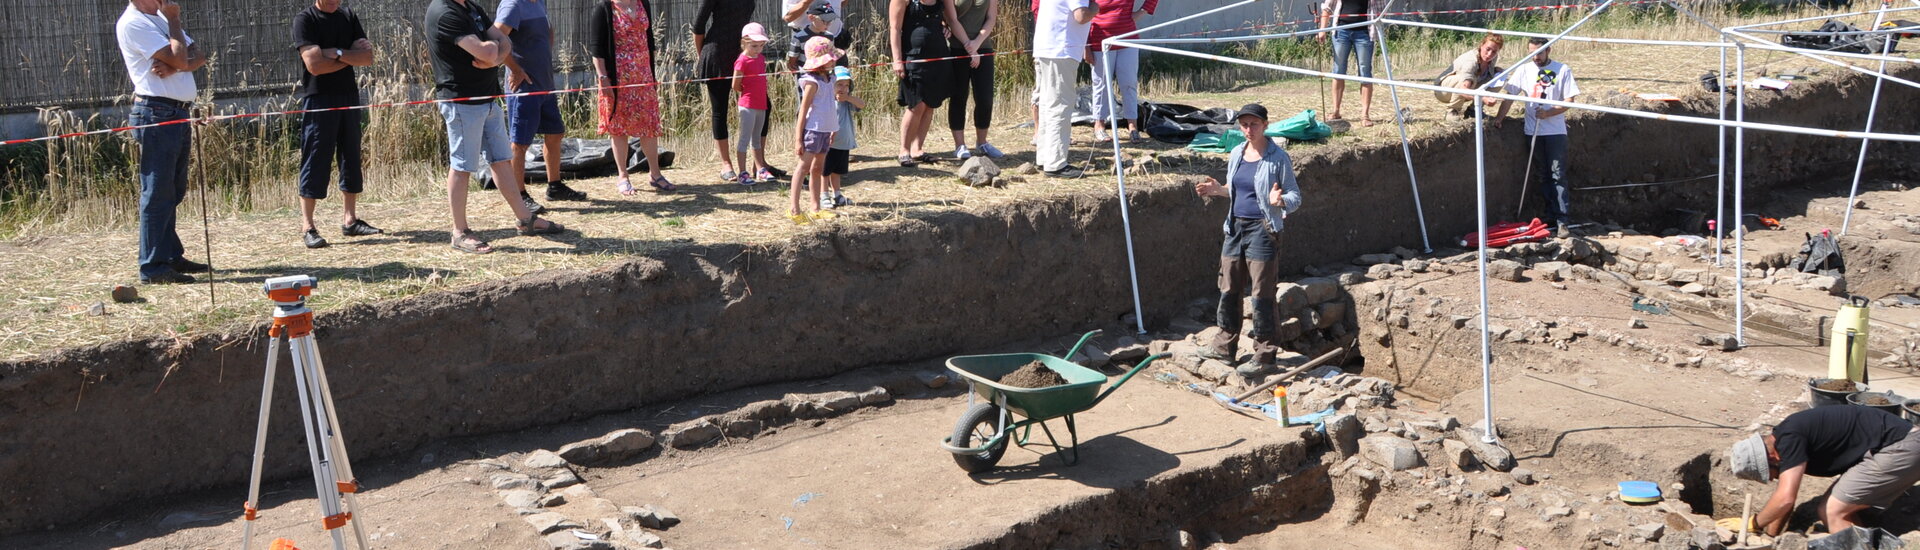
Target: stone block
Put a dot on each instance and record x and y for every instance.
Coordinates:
(1457, 454)
(1505, 270)
(1394, 453)
(1319, 289)
(979, 171)
(692, 433)
(1330, 313)
(617, 445)
(1492, 455)
(1343, 434)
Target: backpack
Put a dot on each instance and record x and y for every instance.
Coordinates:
(1819, 255)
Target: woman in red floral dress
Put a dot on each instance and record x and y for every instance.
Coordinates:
(623, 46)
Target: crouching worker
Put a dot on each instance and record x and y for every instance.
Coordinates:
(1876, 455)
(1260, 192)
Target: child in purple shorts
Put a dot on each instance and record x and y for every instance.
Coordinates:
(814, 130)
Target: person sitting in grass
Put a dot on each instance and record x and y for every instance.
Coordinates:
(1260, 192)
(1472, 70)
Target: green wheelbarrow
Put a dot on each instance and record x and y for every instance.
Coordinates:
(981, 436)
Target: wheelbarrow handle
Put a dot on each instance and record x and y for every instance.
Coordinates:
(1082, 342)
(1123, 378)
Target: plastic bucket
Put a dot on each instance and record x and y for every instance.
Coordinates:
(1893, 401)
(1911, 410)
(1822, 398)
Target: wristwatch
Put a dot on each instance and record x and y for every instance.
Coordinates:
(338, 53)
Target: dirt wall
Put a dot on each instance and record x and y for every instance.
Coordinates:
(87, 429)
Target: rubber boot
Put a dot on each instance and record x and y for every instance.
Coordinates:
(1264, 328)
(1227, 316)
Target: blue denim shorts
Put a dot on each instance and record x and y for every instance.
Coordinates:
(474, 131)
(532, 115)
(1357, 43)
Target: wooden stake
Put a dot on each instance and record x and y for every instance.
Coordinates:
(1746, 508)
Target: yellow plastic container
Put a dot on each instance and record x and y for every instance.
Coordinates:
(1847, 344)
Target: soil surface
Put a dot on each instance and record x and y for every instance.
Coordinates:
(1838, 385)
(1032, 375)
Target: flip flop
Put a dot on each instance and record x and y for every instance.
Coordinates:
(1366, 123)
(625, 186)
(661, 183)
(470, 244)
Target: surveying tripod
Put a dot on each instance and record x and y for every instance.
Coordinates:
(326, 448)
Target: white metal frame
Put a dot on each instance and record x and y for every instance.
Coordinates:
(1739, 124)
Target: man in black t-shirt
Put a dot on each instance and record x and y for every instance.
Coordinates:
(1875, 453)
(331, 43)
(467, 53)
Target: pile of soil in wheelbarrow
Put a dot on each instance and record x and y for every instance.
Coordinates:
(1032, 375)
(1876, 401)
(1840, 385)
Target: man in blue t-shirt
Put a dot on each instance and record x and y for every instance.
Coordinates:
(530, 69)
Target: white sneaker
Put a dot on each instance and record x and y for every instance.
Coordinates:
(961, 153)
(826, 200)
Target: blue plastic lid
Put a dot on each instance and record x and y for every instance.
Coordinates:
(1639, 490)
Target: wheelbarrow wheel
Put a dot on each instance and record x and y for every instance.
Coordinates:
(980, 424)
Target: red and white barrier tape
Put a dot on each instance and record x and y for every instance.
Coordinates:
(218, 118)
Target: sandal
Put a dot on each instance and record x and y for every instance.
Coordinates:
(466, 242)
(527, 227)
(661, 183)
(908, 161)
(625, 187)
(1366, 123)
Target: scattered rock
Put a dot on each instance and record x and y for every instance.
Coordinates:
(933, 380)
(1505, 270)
(1790, 540)
(617, 445)
(521, 498)
(878, 395)
(741, 427)
(1522, 476)
(566, 540)
(647, 540)
(652, 517)
(543, 459)
(1636, 322)
(548, 522)
(1026, 169)
(1554, 512)
(509, 481)
(839, 402)
(125, 294)
(1492, 455)
(979, 171)
(1343, 431)
(1457, 453)
(697, 432)
(1372, 259)
(560, 478)
(1649, 532)
(1395, 453)
(1319, 289)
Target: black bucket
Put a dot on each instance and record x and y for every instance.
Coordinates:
(1911, 410)
(1822, 398)
(1893, 401)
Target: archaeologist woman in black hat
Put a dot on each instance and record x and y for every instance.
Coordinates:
(1876, 455)
(1260, 192)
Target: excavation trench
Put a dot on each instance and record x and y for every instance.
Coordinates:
(698, 320)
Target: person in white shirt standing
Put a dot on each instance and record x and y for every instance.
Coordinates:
(1059, 45)
(1546, 125)
(160, 60)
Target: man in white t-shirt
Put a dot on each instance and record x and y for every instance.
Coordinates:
(160, 59)
(1060, 30)
(1545, 78)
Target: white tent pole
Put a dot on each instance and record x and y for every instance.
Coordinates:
(1720, 181)
(1406, 150)
(1822, 57)
(1739, 200)
(1873, 107)
(1480, 212)
(1119, 171)
(1782, 128)
(1120, 186)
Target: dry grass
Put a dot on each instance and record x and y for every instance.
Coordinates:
(52, 271)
